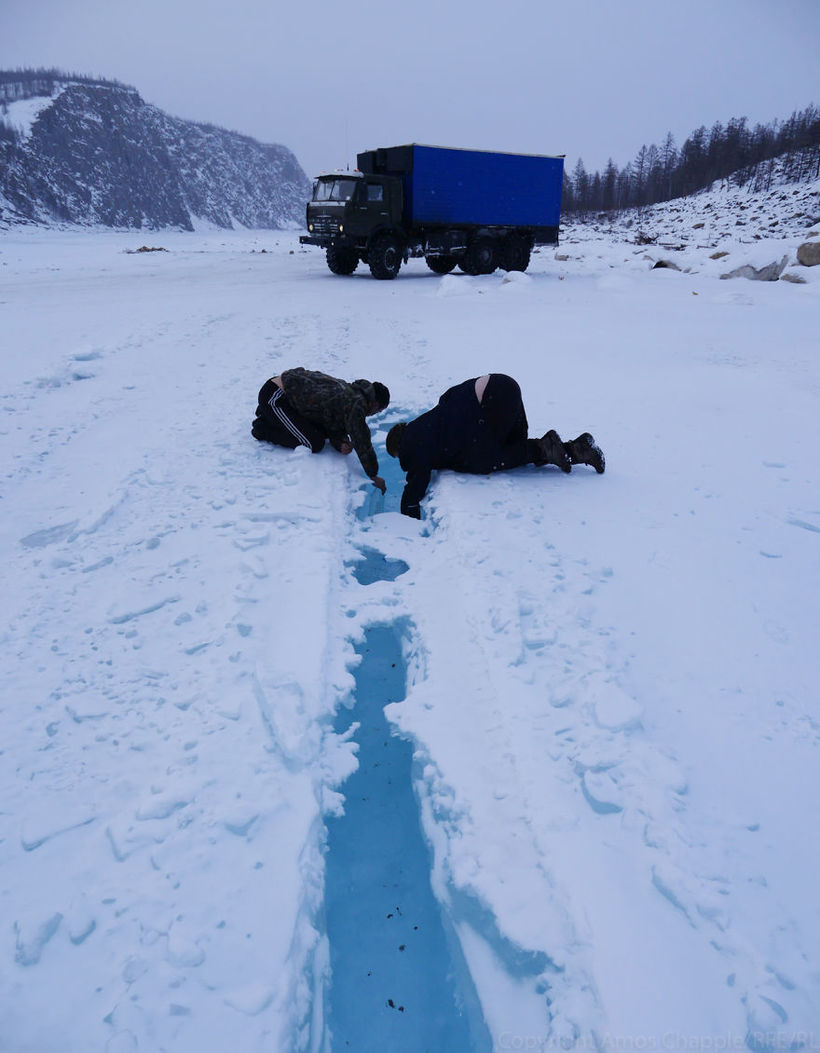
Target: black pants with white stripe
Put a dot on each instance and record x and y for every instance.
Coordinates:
(277, 421)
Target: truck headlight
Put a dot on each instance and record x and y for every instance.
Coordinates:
(310, 227)
(341, 227)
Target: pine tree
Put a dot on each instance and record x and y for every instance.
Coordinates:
(609, 197)
(580, 183)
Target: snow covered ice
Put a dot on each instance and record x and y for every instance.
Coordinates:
(610, 684)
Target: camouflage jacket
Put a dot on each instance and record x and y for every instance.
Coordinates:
(337, 406)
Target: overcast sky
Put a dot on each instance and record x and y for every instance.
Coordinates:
(586, 78)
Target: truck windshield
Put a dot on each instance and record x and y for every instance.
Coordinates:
(334, 189)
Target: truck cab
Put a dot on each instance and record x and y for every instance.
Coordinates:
(348, 212)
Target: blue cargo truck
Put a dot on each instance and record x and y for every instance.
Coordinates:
(471, 208)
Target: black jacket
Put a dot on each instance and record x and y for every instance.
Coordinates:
(456, 434)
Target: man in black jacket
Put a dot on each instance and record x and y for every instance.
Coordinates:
(302, 407)
(479, 427)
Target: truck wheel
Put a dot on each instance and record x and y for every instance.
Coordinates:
(441, 264)
(342, 260)
(384, 257)
(480, 257)
(515, 253)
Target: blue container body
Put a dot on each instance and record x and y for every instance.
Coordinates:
(474, 187)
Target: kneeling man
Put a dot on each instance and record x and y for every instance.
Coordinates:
(479, 427)
(302, 407)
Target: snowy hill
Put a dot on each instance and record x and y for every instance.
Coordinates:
(95, 154)
(715, 230)
(282, 770)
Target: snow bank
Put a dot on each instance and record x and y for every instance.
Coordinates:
(21, 114)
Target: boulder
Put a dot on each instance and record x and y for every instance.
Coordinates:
(809, 253)
(770, 273)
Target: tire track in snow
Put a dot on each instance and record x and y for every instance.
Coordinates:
(589, 739)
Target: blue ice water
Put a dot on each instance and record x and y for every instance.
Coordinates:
(390, 470)
(399, 980)
(374, 566)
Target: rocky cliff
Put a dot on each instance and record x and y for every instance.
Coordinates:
(94, 153)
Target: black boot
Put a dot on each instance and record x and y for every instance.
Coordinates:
(584, 450)
(553, 451)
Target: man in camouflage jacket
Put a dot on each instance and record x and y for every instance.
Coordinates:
(302, 407)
